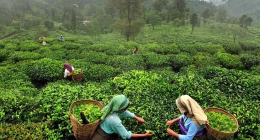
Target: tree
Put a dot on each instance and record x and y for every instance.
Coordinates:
(181, 7)
(49, 24)
(193, 21)
(153, 18)
(158, 5)
(73, 20)
(221, 15)
(129, 11)
(205, 14)
(245, 21)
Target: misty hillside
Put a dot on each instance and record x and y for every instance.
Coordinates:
(249, 7)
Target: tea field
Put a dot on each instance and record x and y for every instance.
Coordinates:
(207, 65)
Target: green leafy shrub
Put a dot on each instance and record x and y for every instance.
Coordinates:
(232, 48)
(28, 130)
(249, 45)
(163, 48)
(71, 46)
(4, 54)
(18, 106)
(187, 48)
(29, 46)
(249, 60)
(20, 56)
(100, 72)
(180, 60)
(202, 60)
(94, 57)
(127, 63)
(208, 47)
(153, 60)
(229, 61)
(44, 69)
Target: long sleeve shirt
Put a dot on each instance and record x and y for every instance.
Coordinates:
(191, 127)
(113, 124)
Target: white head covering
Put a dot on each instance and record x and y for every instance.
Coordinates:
(186, 104)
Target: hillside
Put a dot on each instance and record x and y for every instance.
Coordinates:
(249, 7)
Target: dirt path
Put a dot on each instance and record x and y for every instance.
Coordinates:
(11, 34)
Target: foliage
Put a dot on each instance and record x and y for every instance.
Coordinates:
(180, 60)
(44, 69)
(229, 61)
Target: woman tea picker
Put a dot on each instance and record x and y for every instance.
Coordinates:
(111, 123)
(191, 121)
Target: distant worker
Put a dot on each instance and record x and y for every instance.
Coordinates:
(42, 37)
(68, 69)
(61, 38)
(135, 50)
(44, 43)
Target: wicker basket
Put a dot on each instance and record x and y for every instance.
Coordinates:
(216, 134)
(77, 77)
(83, 131)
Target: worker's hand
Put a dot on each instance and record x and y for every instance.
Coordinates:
(141, 120)
(148, 135)
(169, 122)
(169, 131)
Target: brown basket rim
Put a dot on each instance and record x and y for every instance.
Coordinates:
(226, 113)
(87, 101)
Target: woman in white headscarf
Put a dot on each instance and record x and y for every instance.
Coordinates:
(192, 119)
(112, 124)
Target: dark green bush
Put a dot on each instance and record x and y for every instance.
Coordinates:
(20, 56)
(180, 60)
(71, 46)
(4, 54)
(18, 107)
(153, 60)
(249, 45)
(100, 72)
(187, 48)
(94, 57)
(232, 48)
(249, 60)
(202, 60)
(208, 47)
(29, 46)
(229, 61)
(28, 130)
(163, 48)
(44, 69)
(127, 63)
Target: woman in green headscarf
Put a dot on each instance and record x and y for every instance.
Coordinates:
(111, 123)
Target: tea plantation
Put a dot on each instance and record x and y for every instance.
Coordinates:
(211, 68)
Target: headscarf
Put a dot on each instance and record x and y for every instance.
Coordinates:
(117, 103)
(68, 67)
(186, 104)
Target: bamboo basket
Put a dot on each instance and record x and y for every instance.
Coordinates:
(77, 77)
(213, 133)
(83, 131)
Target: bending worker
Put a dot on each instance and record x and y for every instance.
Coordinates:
(68, 69)
(191, 121)
(111, 123)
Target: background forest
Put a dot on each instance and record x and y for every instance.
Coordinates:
(208, 50)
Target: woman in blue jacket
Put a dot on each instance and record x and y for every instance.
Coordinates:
(112, 123)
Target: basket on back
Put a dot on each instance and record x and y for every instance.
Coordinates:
(77, 77)
(83, 131)
(217, 134)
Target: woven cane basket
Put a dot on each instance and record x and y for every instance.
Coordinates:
(77, 77)
(83, 131)
(216, 134)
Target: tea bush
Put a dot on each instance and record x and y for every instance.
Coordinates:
(249, 60)
(232, 48)
(180, 60)
(127, 63)
(44, 69)
(229, 61)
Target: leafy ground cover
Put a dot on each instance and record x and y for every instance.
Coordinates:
(170, 62)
